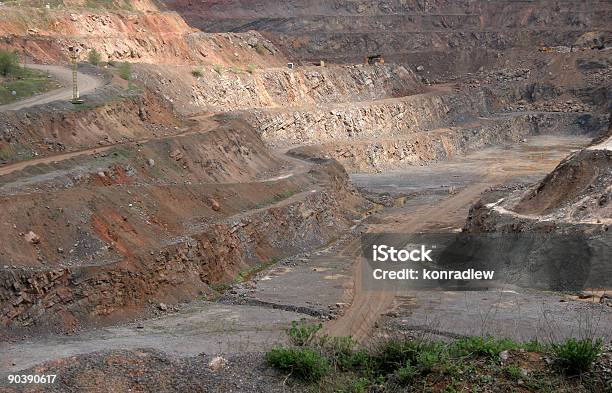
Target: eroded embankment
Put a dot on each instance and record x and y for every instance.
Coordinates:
(98, 238)
(570, 208)
(110, 118)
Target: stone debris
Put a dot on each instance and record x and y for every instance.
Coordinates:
(217, 363)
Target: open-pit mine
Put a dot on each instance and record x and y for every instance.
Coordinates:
(189, 190)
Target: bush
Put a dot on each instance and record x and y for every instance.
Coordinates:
(125, 71)
(535, 346)
(9, 62)
(428, 358)
(576, 356)
(301, 333)
(340, 351)
(302, 363)
(484, 346)
(197, 73)
(93, 57)
(406, 375)
(250, 68)
(261, 49)
(218, 69)
(514, 372)
(359, 385)
(393, 354)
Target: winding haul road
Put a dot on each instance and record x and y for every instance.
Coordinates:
(87, 83)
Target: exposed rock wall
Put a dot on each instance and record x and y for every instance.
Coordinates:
(59, 127)
(223, 89)
(148, 37)
(62, 299)
(422, 147)
(372, 120)
(349, 30)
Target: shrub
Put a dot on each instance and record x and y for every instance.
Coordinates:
(406, 375)
(514, 372)
(93, 57)
(125, 71)
(484, 346)
(340, 351)
(197, 73)
(9, 62)
(576, 356)
(427, 359)
(301, 333)
(302, 363)
(260, 49)
(218, 69)
(394, 354)
(534, 346)
(250, 68)
(359, 385)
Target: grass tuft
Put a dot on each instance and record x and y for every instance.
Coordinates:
(302, 363)
(575, 357)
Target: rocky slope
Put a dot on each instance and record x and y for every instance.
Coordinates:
(150, 37)
(95, 238)
(350, 30)
(224, 89)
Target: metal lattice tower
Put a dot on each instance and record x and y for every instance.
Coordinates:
(75, 87)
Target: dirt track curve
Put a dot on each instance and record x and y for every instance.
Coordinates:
(87, 83)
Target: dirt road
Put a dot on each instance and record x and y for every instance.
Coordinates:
(367, 306)
(204, 124)
(445, 215)
(63, 74)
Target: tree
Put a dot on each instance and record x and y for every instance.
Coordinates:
(9, 62)
(93, 57)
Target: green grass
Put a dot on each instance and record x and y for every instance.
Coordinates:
(483, 346)
(125, 71)
(575, 357)
(302, 363)
(301, 333)
(25, 83)
(397, 364)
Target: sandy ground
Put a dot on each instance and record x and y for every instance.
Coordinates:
(86, 84)
(328, 281)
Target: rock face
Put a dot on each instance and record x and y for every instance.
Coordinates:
(239, 88)
(153, 37)
(130, 233)
(377, 119)
(350, 30)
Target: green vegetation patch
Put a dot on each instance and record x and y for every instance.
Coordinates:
(17, 82)
(403, 364)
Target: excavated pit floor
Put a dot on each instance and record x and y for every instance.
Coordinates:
(322, 283)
